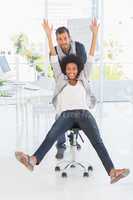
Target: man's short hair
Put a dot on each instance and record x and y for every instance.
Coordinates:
(72, 58)
(61, 30)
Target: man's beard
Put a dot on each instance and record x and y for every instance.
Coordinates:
(67, 49)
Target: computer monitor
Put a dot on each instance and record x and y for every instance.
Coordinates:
(4, 66)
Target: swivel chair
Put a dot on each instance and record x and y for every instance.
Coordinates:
(72, 163)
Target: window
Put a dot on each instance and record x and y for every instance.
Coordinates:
(21, 34)
(118, 48)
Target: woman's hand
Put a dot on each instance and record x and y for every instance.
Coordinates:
(94, 29)
(94, 26)
(47, 28)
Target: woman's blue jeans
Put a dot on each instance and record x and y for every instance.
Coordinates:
(86, 122)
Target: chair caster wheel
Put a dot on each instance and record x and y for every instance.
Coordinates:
(64, 174)
(90, 168)
(85, 174)
(73, 166)
(57, 168)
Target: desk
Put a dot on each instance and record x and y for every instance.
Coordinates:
(30, 103)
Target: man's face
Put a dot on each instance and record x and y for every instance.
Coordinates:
(71, 71)
(63, 41)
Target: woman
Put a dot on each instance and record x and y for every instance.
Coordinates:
(72, 102)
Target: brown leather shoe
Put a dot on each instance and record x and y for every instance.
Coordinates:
(118, 174)
(24, 159)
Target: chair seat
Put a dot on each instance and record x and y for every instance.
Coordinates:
(76, 126)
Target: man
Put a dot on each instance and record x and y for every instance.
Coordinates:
(65, 46)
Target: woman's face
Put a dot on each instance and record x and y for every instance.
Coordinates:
(71, 71)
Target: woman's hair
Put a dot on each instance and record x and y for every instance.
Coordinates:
(72, 58)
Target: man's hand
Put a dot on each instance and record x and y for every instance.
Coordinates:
(94, 26)
(47, 28)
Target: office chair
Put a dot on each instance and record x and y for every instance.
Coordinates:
(72, 163)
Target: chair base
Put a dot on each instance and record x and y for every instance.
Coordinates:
(64, 165)
(72, 164)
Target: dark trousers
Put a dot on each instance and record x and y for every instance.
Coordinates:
(61, 140)
(86, 122)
